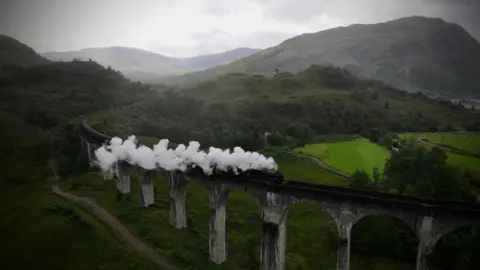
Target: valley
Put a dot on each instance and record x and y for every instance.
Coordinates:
(330, 107)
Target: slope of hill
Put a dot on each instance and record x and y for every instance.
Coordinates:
(212, 60)
(413, 53)
(13, 52)
(147, 66)
(238, 109)
(134, 63)
(39, 105)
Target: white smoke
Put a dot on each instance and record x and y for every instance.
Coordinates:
(180, 158)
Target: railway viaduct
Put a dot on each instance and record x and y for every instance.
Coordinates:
(430, 219)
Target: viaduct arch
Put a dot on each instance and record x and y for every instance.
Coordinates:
(430, 219)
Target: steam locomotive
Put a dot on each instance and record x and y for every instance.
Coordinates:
(273, 177)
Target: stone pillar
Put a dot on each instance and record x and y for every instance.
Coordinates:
(123, 181)
(177, 190)
(425, 243)
(274, 230)
(91, 154)
(343, 251)
(82, 143)
(345, 216)
(109, 174)
(146, 180)
(218, 249)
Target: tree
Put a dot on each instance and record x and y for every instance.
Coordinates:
(376, 178)
(386, 105)
(359, 179)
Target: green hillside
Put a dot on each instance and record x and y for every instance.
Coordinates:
(40, 106)
(13, 52)
(238, 109)
(39, 230)
(413, 53)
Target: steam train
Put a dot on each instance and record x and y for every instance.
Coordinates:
(272, 177)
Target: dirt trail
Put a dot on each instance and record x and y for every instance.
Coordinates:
(425, 141)
(118, 227)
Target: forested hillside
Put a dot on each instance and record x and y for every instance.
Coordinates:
(13, 52)
(39, 106)
(238, 109)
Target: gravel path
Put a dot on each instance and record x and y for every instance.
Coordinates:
(118, 227)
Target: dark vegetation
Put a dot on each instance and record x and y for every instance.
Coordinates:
(238, 109)
(41, 105)
(417, 172)
(13, 52)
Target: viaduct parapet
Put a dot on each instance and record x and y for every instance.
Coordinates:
(429, 219)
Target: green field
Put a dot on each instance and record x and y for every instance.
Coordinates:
(349, 156)
(312, 234)
(469, 142)
(464, 141)
(39, 230)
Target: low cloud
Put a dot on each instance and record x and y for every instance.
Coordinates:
(191, 27)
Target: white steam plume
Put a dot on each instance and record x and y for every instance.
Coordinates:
(180, 158)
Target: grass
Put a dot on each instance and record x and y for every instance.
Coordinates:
(40, 230)
(349, 156)
(311, 239)
(469, 142)
(464, 141)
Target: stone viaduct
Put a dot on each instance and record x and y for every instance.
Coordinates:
(430, 219)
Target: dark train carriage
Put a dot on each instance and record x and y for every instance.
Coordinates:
(275, 177)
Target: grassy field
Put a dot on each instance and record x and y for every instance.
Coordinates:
(463, 141)
(39, 230)
(312, 234)
(348, 156)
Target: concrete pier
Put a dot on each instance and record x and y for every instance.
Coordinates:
(343, 250)
(218, 195)
(425, 243)
(177, 191)
(109, 174)
(91, 154)
(123, 173)
(146, 180)
(274, 230)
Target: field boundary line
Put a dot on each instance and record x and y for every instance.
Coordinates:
(447, 149)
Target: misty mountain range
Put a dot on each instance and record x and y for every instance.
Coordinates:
(144, 65)
(412, 53)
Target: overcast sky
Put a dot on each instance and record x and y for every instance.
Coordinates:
(191, 27)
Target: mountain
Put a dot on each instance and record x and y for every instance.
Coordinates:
(412, 53)
(212, 60)
(134, 63)
(146, 66)
(13, 52)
